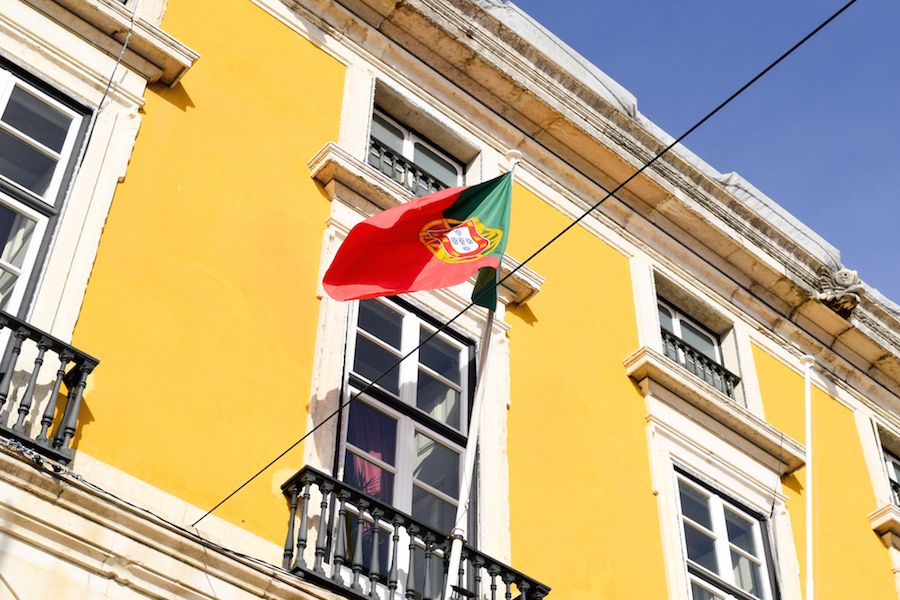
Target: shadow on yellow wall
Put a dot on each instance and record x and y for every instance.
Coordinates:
(850, 559)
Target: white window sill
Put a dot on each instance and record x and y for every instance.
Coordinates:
(367, 190)
(886, 522)
(655, 373)
(156, 55)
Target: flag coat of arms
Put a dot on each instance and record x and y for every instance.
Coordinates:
(432, 242)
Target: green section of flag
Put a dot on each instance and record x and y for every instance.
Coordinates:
(490, 202)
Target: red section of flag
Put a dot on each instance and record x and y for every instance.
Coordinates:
(384, 255)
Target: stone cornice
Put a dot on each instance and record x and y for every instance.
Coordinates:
(151, 52)
(729, 224)
(886, 521)
(648, 368)
(340, 172)
(72, 521)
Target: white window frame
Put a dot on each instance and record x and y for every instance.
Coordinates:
(23, 273)
(892, 467)
(718, 504)
(410, 139)
(407, 426)
(679, 316)
(8, 81)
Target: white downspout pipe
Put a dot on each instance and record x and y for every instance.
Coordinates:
(808, 361)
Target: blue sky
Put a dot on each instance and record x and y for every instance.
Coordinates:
(820, 134)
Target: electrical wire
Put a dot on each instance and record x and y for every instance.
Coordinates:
(112, 76)
(89, 134)
(547, 244)
(68, 476)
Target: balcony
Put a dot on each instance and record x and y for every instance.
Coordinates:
(368, 549)
(699, 364)
(401, 170)
(23, 390)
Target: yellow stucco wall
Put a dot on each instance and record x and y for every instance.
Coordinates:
(201, 305)
(583, 515)
(850, 560)
(202, 308)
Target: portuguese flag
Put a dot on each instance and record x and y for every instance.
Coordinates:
(432, 242)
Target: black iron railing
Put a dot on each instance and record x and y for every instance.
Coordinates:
(401, 170)
(30, 407)
(699, 364)
(342, 538)
(895, 492)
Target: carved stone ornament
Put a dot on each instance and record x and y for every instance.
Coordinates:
(839, 290)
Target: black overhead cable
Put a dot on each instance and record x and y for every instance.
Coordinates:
(546, 245)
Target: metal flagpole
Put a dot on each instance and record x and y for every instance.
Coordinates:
(458, 535)
(808, 361)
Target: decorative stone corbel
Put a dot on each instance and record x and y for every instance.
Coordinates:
(839, 290)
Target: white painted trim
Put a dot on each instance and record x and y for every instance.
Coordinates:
(62, 529)
(747, 368)
(645, 297)
(356, 111)
(152, 53)
(675, 439)
(662, 378)
(873, 453)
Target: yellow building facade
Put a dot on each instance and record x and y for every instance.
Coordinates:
(168, 336)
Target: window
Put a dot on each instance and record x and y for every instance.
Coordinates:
(404, 438)
(893, 469)
(725, 545)
(38, 134)
(696, 348)
(409, 159)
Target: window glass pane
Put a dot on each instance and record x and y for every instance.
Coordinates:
(25, 165)
(368, 477)
(893, 466)
(7, 282)
(740, 532)
(700, 548)
(372, 432)
(895, 472)
(746, 574)
(665, 319)
(439, 356)
(37, 119)
(387, 134)
(436, 166)
(371, 361)
(698, 339)
(701, 593)
(431, 510)
(15, 234)
(382, 322)
(438, 399)
(437, 465)
(694, 505)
